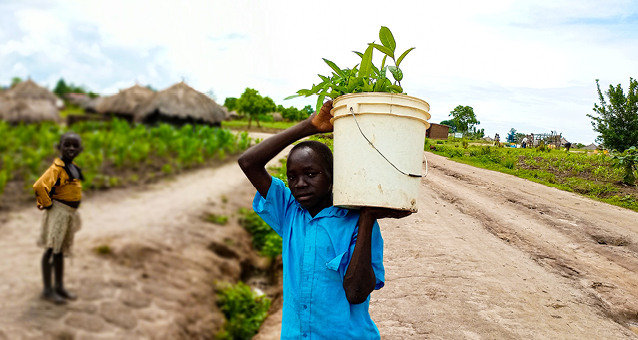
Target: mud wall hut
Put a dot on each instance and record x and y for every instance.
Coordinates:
(180, 104)
(437, 131)
(125, 103)
(29, 103)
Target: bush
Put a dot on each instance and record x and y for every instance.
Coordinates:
(244, 312)
(265, 240)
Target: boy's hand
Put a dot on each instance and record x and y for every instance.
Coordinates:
(379, 213)
(321, 120)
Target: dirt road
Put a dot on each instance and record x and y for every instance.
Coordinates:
(488, 256)
(492, 256)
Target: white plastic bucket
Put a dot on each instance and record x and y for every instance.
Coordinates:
(395, 124)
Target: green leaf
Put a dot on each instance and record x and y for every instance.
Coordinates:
(320, 102)
(403, 56)
(396, 88)
(383, 49)
(396, 73)
(293, 96)
(387, 39)
(324, 78)
(334, 67)
(383, 62)
(358, 53)
(366, 63)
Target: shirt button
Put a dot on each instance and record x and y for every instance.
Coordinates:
(305, 307)
(305, 335)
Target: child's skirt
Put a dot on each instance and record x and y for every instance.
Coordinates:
(59, 225)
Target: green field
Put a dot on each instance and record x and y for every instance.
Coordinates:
(243, 124)
(116, 153)
(590, 174)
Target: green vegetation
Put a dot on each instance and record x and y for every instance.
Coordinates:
(217, 219)
(595, 175)
(253, 105)
(112, 150)
(465, 121)
(243, 124)
(244, 312)
(628, 161)
(363, 77)
(617, 121)
(104, 249)
(265, 240)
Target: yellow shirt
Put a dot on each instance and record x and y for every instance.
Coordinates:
(68, 190)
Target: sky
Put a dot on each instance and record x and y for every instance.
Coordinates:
(527, 65)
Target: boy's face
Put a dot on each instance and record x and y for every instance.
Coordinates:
(70, 147)
(308, 181)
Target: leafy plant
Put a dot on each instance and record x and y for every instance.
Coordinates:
(617, 121)
(628, 161)
(244, 312)
(364, 76)
(265, 240)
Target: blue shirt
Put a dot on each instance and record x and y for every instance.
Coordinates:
(316, 253)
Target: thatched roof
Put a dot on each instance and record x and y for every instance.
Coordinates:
(180, 102)
(28, 102)
(126, 102)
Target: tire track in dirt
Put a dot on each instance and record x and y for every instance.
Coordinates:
(591, 243)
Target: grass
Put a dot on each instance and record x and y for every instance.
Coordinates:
(243, 124)
(217, 219)
(589, 174)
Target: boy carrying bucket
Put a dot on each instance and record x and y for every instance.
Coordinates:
(332, 257)
(58, 193)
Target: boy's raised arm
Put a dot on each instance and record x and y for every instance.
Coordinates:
(253, 161)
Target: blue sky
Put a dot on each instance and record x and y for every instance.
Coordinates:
(528, 65)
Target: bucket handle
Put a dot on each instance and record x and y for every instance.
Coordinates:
(384, 157)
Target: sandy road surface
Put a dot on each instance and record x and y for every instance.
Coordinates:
(492, 256)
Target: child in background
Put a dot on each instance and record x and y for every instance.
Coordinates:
(58, 193)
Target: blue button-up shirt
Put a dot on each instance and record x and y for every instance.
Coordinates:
(316, 253)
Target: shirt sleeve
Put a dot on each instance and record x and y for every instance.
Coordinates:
(342, 261)
(43, 185)
(275, 207)
(377, 256)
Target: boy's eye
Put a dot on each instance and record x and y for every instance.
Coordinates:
(312, 174)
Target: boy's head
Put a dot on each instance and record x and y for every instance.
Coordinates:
(309, 171)
(70, 145)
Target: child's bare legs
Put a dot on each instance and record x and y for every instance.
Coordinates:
(58, 265)
(48, 293)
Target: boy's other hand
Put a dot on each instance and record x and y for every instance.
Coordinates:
(379, 213)
(321, 120)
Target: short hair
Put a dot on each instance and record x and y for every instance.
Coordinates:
(69, 134)
(322, 150)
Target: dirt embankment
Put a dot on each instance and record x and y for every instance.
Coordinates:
(145, 262)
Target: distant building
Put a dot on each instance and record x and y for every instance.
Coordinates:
(437, 131)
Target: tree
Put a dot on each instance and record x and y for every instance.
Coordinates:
(61, 88)
(252, 104)
(309, 110)
(15, 81)
(464, 118)
(230, 103)
(617, 121)
(449, 123)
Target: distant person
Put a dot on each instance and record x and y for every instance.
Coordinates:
(524, 142)
(58, 192)
(332, 257)
(568, 146)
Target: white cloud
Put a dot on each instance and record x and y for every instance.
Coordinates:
(522, 64)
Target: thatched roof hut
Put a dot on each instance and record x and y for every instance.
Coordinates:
(126, 102)
(28, 102)
(180, 104)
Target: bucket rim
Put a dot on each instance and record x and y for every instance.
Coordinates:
(379, 94)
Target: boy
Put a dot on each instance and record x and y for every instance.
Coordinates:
(333, 257)
(59, 192)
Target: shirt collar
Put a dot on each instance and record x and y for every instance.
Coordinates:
(330, 211)
(59, 162)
